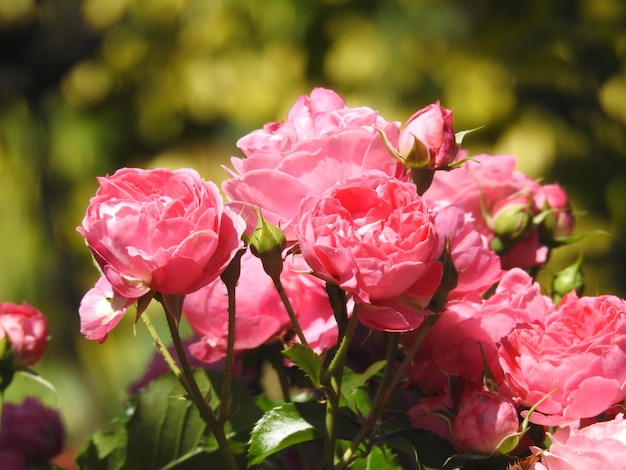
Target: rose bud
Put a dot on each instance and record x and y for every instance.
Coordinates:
(27, 331)
(267, 242)
(427, 139)
(558, 221)
(485, 422)
(511, 220)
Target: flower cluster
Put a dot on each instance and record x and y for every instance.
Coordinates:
(395, 273)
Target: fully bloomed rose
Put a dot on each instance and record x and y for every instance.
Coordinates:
(321, 142)
(599, 446)
(160, 230)
(575, 359)
(374, 237)
(27, 331)
(432, 128)
(260, 315)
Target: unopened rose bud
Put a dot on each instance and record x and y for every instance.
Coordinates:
(486, 424)
(568, 279)
(27, 331)
(512, 218)
(267, 242)
(557, 220)
(427, 139)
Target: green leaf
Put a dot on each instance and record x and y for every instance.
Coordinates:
(352, 380)
(106, 450)
(165, 426)
(159, 430)
(284, 426)
(28, 384)
(307, 360)
(380, 458)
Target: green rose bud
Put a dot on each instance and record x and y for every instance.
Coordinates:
(512, 218)
(267, 242)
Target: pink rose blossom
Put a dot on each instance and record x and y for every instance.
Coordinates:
(101, 309)
(575, 359)
(466, 334)
(479, 186)
(432, 127)
(599, 446)
(483, 422)
(260, 315)
(477, 265)
(323, 141)
(375, 238)
(27, 332)
(160, 230)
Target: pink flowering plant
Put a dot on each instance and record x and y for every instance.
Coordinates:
(385, 276)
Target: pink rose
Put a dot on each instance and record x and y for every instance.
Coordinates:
(466, 335)
(598, 446)
(160, 230)
(323, 141)
(575, 359)
(260, 315)
(101, 309)
(27, 331)
(479, 186)
(477, 265)
(432, 128)
(375, 238)
(31, 431)
(483, 422)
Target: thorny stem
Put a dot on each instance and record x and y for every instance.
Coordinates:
(287, 303)
(188, 381)
(230, 358)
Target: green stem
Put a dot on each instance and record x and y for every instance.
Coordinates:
(383, 395)
(290, 311)
(230, 357)
(331, 379)
(339, 358)
(188, 381)
(162, 349)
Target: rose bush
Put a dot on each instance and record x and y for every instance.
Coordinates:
(396, 274)
(160, 230)
(323, 141)
(375, 238)
(574, 360)
(27, 331)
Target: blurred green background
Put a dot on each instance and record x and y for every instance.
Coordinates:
(89, 86)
